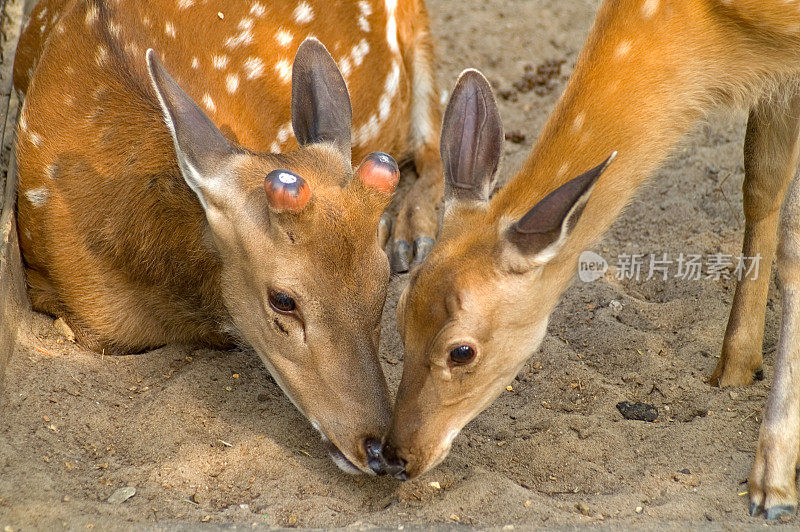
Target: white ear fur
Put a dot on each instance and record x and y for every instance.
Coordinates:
(541, 234)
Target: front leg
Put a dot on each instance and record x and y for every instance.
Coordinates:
(770, 159)
(772, 481)
(417, 221)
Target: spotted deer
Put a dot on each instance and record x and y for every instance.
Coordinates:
(184, 177)
(478, 306)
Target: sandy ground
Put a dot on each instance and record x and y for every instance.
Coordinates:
(207, 436)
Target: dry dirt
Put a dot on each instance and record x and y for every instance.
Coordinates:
(207, 436)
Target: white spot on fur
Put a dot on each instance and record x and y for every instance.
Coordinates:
(209, 103)
(345, 67)
(370, 129)
(169, 29)
(422, 98)
(384, 107)
(623, 49)
(284, 69)
(254, 66)
(114, 28)
(391, 26)
(91, 14)
(359, 52)
(219, 61)
(257, 9)
(245, 35)
(37, 196)
(284, 132)
(303, 13)
(275, 147)
(232, 83)
(365, 9)
(185, 4)
(50, 171)
(367, 131)
(649, 8)
(577, 124)
(284, 37)
(132, 49)
(23, 122)
(389, 92)
(101, 55)
(42, 14)
(195, 63)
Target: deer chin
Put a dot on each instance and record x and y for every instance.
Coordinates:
(339, 458)
(346, 463)
(439, 455)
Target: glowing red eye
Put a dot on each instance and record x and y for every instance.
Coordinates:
(463, 354)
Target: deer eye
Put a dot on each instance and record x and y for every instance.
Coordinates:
(463, 354)
(281, 302)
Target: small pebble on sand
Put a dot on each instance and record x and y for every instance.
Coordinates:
(122, 495)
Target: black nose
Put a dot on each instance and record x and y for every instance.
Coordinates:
(372, 446)
(393, 464)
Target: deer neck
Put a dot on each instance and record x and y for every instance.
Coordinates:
(640, 84)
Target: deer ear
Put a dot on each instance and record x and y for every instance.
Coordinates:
(201, 149)
(472, 139)
(321, 110)
(542, 231)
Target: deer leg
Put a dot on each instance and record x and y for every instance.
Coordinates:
(417, 221)
(772, 480)
(770, 159)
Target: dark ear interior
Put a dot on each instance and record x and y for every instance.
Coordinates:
(553, 218)
(472, 139)
(197, 140)
(321, 110)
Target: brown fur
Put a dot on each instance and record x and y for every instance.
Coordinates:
(119, 245)
(649, 71)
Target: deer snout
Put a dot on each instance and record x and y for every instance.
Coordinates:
(393, 464)
(375, 461)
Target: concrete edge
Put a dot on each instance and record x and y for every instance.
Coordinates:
(13, 300)
(13, 297)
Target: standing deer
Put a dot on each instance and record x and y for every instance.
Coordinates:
(478, 307)
(147, 218)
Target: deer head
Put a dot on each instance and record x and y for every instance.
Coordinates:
(302, 275)
(477, 308)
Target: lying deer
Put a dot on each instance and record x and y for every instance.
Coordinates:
(478, 306)
(147, 218)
